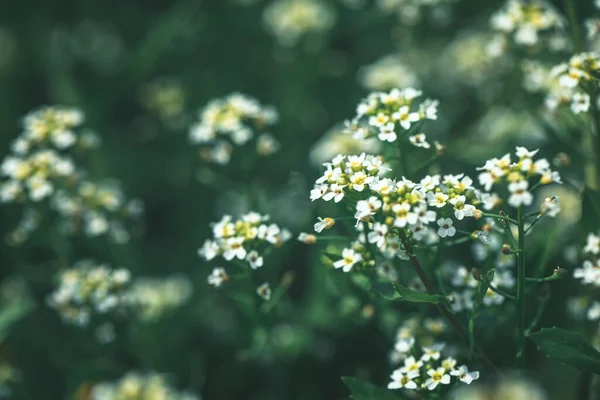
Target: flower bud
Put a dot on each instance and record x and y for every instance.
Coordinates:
(506, 249)
(307, 238)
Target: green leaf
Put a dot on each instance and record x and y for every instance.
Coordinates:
(486, 279)
(569, 347)
(365, 391)
(395, 291)
(590, 207)
(12, 313)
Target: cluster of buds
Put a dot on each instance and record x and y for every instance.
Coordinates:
(424, 369)
(41, 167)
(517, 175)
(247, 239)
(392, 115)
(425, 331)
(290, 20)
(138, 386)
(233, 120)
(89, 288)
(383, 206)
(572, 82)
(526, 21)
(154, 297)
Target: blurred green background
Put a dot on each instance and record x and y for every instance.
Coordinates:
(108, 59)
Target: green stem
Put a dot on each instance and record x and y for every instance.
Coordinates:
(432, 291)
(533, 223)
(538, 315)
(502, 292)
(574, 23)
(520, 334)
(512, 221)
(595, 137)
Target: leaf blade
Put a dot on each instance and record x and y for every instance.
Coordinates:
(568, 347)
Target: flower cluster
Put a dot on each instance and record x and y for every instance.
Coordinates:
(153, 297)
(393, 114)
(571, 82)
(290, 20)
(97, 209)
(34, 176)
(138, 386)
(385, 205)
(424, 368)
(247, 239)
(233, 120)
(53, 127)
(410, 12)
(426, 331)
(89, 288)
(526, 21)
(589, 273)
(517, 175)
(41, 167)
(387, 73)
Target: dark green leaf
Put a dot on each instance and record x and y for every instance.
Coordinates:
(569, 347)
(486, 279)
(591, 209)
(395, 291)
(365, 391)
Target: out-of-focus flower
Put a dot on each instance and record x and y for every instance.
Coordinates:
(153, 297)
(511, 388)
(89, 288)
(290, 20)
(264, 291)
(139, 386)
(336, 141)
(410, 12)
(387, 73)
(524, 22)
(233, 120)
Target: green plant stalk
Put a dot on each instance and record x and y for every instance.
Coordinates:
(520, 333)
(432, 291)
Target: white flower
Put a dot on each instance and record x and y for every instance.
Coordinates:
(324, 223)
(307, 238)
(461, 209)
(419, 140)
(234, 249)
(580, 102)
(403, 215)
(264, 291)
(209, 250)
(405, 117)
(318, 192)
(336, 193)
(378, 234)
(519, 194)
(593, 313)
(387, 133)
(411, 364)
(438, 199)
(404, 345)
(550, 207)
(359, 180)
(431, 353)
(217, 277)
(366, 208)
(436, 377)
(399, 380)
(593, 244)
(448, 364)
(255, 259)
(446, 229)
(464, 375)
(349, 258)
